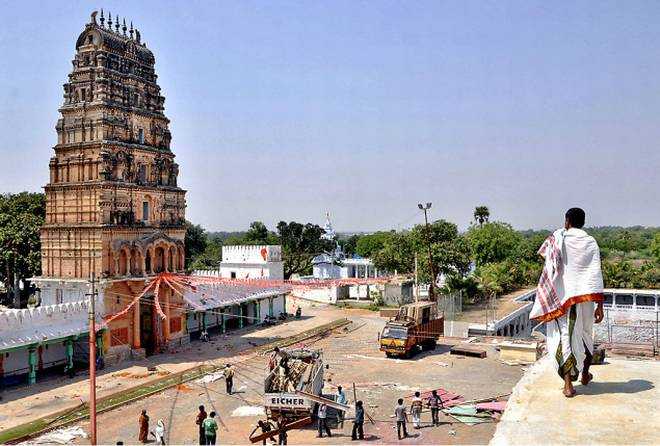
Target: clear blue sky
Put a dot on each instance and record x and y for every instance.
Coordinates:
(283, 110)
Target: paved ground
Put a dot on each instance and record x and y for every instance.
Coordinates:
(352, 357)
(57, 393)
(620, 406)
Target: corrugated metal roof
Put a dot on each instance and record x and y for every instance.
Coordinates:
(208, 296)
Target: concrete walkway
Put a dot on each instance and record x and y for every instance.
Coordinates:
(619, 407)
(20, 405)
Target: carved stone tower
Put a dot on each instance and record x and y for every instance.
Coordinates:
(113, 203)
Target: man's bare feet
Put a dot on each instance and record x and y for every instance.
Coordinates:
(569, 390)
(586, 378)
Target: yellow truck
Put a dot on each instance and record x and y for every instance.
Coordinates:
(415, 325)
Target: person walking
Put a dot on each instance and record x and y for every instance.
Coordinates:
(199, 421)
(401, 419)
(323, 420)
(144, 427)
(341, 399)
(416, 410)
(358, 422)
(569, 298)
(434, 402)
(265, 426)
(282, 436)
(229, 378)
(210, 428)
(160, 432)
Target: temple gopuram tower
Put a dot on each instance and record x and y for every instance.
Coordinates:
(114, 207)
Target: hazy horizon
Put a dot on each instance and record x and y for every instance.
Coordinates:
(286, 110)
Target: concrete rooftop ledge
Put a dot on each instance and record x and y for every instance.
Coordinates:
(619, 407)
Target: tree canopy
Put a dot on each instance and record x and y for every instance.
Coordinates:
(21, 218)
(195, 242)
(481, 215)
(300, 244)
(368, 245)
(492, 242)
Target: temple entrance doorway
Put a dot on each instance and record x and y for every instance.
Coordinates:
(147, 335)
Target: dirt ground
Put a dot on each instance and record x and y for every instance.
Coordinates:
(353, 358)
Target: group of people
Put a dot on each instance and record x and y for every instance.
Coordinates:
(159, 432)
(433, 402)
(358, 422)
(207, 424)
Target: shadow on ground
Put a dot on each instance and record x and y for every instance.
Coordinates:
(630, 386)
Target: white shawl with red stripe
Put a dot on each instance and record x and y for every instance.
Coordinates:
(571, 273)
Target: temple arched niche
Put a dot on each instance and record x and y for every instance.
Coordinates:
(159, 259)
(124, 258)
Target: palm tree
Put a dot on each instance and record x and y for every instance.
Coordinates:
(481, 214)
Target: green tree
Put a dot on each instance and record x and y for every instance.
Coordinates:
(481, 215)
(369, 244)
(438, 232)
(211, 257)
(349, 244)
(21, 217)
(450, 257)
(195, 241)
(655, 247)
(397, 254)
(527, 249)
(493, 242)
(300, 244)
(258, 234)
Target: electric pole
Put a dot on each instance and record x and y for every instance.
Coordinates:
(425, 208)
(416, 281)
(92, 359)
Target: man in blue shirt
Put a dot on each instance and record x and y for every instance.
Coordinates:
(341, 399)
(358, 423)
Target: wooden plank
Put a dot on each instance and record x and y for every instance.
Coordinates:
(467, 350)
(270, 434)
(320, 399)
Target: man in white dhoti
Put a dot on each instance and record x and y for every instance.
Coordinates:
(569, 298)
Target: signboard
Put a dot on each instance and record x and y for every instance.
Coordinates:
(288, 400)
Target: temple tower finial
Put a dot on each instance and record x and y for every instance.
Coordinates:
(102, 19)
(117, 23)
(131, 30)
(123, 28)
(109, 20)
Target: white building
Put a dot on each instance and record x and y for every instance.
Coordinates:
(326, 266)
(252, 262)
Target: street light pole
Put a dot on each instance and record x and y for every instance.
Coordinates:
(92, 360)
(425, 208)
